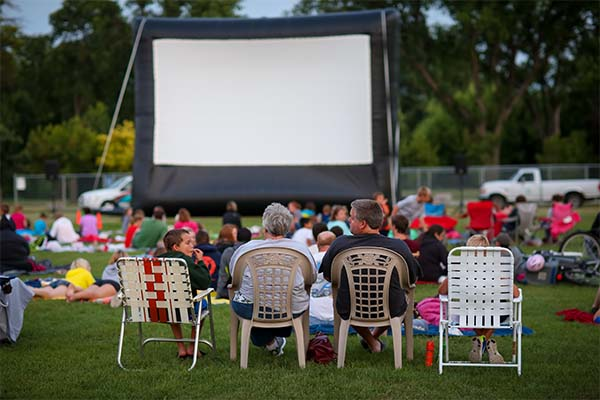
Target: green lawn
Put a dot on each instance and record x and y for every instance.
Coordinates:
(68, 351)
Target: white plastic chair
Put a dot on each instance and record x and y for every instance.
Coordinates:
(480, 294)
(273, 271)
(370, 271)
(158, 290)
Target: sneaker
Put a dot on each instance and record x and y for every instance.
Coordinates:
(116, 301)
(276, 348)
(476, 350)
(495, 357)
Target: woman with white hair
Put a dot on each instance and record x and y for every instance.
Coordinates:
(276, 222)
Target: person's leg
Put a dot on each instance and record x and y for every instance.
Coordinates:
(181, 351)
(484, 332)
(596, 304)
(51, 293)
(93, 292)
(373, 343)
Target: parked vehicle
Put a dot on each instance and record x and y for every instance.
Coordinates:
(528, 182)
(97, 199)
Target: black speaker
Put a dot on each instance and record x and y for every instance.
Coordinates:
(460, 164)
(51, 167)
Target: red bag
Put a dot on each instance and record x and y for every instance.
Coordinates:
(320, 349)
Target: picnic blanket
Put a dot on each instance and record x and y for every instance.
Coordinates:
(420, 327)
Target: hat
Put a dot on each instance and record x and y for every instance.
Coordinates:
(535, 263)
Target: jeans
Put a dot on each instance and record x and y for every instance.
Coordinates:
(261, 336)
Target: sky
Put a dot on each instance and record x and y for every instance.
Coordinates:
(32, 15)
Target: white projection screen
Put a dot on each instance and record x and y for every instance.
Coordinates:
(263, 110)
(264, 95)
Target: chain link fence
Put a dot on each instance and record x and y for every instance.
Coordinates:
(444, 182)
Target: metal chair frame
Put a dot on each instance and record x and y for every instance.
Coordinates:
(158, 290)
(480, 293)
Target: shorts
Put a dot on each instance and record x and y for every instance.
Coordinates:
(59, 282)
(100, 282)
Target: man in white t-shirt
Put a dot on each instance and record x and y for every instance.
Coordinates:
(62, 230)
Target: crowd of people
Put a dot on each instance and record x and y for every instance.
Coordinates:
(318, 235)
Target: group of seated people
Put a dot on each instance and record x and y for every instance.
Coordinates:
(319, 236)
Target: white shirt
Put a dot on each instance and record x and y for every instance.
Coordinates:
(62, 229)
(300, 299)
(304, 235)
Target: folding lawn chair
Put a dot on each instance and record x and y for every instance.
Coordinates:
(480, 296)
(480, 216)
(159, 290)
(369, 274)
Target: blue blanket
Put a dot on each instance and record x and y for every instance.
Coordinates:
(420, 327)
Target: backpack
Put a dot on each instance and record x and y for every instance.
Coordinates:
(320, 349)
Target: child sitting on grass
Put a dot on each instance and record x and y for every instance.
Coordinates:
(180, 244)
(78, 277)
(481, 342)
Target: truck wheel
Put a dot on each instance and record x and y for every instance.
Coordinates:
(498, 200)
(576, 199)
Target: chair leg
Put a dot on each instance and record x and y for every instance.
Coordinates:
(234, 323)
(336, 328)
(212, 325)
(441, 348)
(408, 328)
(121, 336)
(306, 330)
(344, 325)
(245, 347)
(299, 332)
(396, 324)
(196, 338)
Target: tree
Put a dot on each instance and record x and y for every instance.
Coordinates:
(120, 157)
(93, 43)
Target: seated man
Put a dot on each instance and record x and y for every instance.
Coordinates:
(276, 221)
(152, 230)
(366, 217)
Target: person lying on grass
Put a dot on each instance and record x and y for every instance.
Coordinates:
(106, 287)
(481, 342)
(78, 277)
(180, 244)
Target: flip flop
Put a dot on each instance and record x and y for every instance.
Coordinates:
(182, 356)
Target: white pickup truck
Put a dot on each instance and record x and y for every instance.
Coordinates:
(528, 182)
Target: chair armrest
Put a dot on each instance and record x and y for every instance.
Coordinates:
(203, 293)
(444, 298)
(520, 298)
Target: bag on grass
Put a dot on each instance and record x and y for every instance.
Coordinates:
(320, 349)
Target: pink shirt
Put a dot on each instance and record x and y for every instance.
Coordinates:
(19, 220)
(187, 224)
(89, 225)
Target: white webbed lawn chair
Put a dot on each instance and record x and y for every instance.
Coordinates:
(159, 290)
(480, 294)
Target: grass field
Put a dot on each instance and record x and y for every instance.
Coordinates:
(68, 351)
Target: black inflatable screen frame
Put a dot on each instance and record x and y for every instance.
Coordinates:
(205, 190)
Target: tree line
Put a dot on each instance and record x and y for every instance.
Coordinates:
(502, 82)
